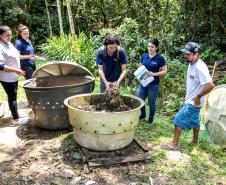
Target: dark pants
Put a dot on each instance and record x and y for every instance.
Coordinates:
(151, 92)
(29, 70)
(102, 86)
(11, 91)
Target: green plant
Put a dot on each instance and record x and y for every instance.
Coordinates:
(172, 89)
(221, 81)
(64, 47)
(211, 54)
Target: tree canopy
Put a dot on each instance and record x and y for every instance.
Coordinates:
(172, 21)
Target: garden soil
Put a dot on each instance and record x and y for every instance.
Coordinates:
(35, 156)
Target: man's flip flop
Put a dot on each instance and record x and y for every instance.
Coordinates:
(169, 146)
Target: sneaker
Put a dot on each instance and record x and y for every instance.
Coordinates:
(142, 117)
(21, 121)
(150, 121)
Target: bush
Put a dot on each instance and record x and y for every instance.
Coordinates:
(211, 54)
(172, 89)
(80, 50)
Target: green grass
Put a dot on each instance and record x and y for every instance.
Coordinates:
(206, 164)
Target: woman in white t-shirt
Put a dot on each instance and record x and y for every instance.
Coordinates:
(9, 56)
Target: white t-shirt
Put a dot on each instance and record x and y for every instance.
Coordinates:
(9, 56)
(197, 76)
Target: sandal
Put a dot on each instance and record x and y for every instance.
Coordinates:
(194, 142)
(169, 146)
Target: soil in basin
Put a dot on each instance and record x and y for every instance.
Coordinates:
(111, 102)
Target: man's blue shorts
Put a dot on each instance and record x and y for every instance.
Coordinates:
(187, 117)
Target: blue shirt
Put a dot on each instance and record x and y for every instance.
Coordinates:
(111, 64)
(25, 48)
(153, 65)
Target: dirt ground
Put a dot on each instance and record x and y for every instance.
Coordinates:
(35, 156)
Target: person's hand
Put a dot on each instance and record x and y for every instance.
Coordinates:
(20, 72)
(151, 73)
(196, 100)
(116, 84)
(38, 57)
(107, 85)
(31, 57)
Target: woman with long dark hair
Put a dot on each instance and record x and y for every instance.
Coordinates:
(24, 46)
(156, 66)
(10, 71)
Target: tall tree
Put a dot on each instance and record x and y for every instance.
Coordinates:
(48, 15)
(60, 16)
(70, 17)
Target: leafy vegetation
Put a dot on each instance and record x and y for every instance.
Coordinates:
(80, 50)
(199, 165)
(173, 23)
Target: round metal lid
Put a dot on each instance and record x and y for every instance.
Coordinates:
(58, 68)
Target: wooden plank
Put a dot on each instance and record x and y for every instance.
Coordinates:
(85, 168)
(84, 159)
(120, 160)
(140, 145)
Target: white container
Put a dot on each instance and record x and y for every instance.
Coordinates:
(103, 131)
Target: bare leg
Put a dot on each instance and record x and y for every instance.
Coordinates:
(177, 132)
(196, 135)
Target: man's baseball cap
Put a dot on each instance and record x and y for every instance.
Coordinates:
(191, 47)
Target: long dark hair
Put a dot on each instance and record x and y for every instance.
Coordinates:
(20, 29)
(155, 42)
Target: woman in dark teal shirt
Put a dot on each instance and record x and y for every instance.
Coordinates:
(156, 66)
(24, 46)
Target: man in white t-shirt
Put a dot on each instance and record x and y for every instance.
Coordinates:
(198, 84)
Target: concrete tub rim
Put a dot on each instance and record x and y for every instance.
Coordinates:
(91, 78)
(90, 94)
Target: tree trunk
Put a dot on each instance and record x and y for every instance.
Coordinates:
(105, 20)
(70, 17)
(60, 17)
(49, 21)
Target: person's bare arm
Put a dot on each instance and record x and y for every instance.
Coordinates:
(102, 75)
(122, 76)
(205, 90)
(30, 57)
(13, 69)
(162, 71)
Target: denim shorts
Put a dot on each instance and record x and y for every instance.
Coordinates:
(187, 117)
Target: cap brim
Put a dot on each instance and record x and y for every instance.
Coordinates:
(185, 51)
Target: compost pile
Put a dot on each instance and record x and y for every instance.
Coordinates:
(112, 102)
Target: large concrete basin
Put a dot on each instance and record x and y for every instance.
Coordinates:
(103, 131)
